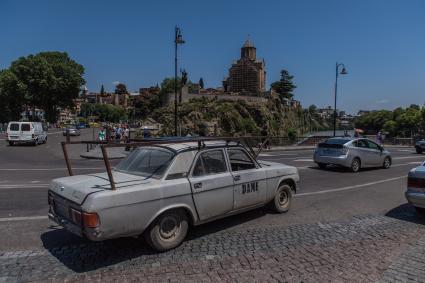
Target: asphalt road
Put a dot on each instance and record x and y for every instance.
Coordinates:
(324, 195)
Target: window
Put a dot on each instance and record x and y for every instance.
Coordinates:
(210, 162)
(147, 162)
(181, 165)
(14, 127)
(373, 145)
(362, 144)
(239, 160)
(25, 127)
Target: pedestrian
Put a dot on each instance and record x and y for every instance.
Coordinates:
(126, 134)
(118, 133)
(102, 134)
(265, 139)
(379, 138)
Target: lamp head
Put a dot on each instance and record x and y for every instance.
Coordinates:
(343, 71)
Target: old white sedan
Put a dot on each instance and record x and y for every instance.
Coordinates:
(161, 190)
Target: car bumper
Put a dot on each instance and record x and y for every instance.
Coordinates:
(416, 199)
(92, 234)
(341, 160)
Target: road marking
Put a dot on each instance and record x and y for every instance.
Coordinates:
(19, 186)
(6, 219)
(351, 187)
(407, 157)
(51, 169)
(303, 160)
(33, 182)
(405, 150)
(277, 155)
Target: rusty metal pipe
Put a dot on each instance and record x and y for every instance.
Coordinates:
(108, 166)
(65, 154)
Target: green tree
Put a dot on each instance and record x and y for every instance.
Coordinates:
(284, 87)
(121, 89)
(201, 83)
(102, 90)
(11, 96)
(48, 80)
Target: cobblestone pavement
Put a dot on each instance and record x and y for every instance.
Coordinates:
(361, 249)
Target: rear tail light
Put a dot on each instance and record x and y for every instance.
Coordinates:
(90, 220)
(416, 184)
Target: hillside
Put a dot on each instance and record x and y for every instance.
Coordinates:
(234, 118)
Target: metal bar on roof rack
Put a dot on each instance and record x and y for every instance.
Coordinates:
(108, 167)
(65, 154)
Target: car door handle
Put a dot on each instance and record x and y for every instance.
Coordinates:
(237, 178)
(197, 186)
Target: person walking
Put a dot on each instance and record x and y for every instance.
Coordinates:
(102, 134)
(265, 133)
(379, 138)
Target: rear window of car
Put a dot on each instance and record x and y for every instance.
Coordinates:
(25, 127)
(14, 127)
(334, 143)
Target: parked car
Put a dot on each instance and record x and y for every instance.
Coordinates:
(26, 132)
(420, 146)
(162, 190)
(354, 153)
(71, 130)
(415, 192)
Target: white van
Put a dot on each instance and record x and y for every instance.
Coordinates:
(26, 132)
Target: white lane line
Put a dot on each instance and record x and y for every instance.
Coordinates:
(33, 182)
(405, 150)
(51, 169)
(54, 133)
(6, 219)
(407, 157)
(277, 155)
(303, 160)
(351, 187)
(24, 186)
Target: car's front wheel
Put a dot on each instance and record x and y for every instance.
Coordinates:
(11, 143)
(419, 150)
(282, 199)
(168, 230)
(355, 165)
(387, 163)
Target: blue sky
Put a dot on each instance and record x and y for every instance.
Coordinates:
(382, 43)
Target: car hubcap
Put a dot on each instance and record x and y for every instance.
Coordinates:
(387, 163)
(169, 227)
(283, 198)
(355, 165)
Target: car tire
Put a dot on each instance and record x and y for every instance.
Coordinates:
(168, 230)
(355, 165)
(322, 165)
(420, 210)
(45, 140)
(35, 142)
(282, 199)
(11, 143)
(419, 150)
(387, 163)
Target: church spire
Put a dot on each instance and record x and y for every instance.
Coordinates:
(248, 50)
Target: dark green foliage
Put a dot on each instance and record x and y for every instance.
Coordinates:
(201, 83)
(284, 87)
(400, 122)
(106, 112)
(121, 89)
(102, 90)
(47, 80)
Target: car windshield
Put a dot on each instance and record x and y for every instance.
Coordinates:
(147, 162)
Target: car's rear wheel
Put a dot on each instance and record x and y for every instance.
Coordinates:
(387, 163)
(322, 165)
(355, 165)
(282, 199)
(419, 150)
(11, 143)
(168, 230)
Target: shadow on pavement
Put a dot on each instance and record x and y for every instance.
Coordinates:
(406, 212)
(81, 255)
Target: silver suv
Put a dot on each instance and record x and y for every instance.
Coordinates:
(352, 153)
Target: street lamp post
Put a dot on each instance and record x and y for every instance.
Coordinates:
(178, 39)
(343, 72)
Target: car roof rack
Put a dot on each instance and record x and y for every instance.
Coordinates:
(133, 143)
